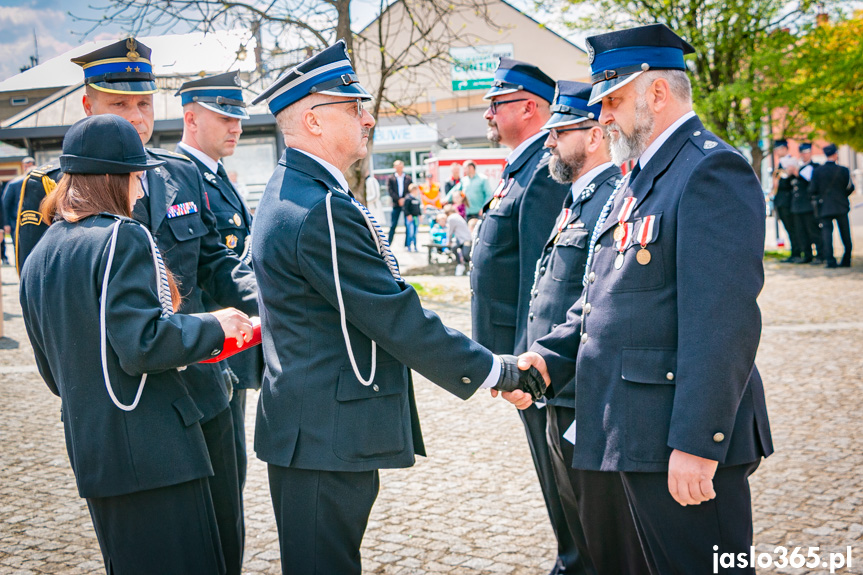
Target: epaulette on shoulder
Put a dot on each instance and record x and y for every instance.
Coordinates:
(163, 153)
(42, 171)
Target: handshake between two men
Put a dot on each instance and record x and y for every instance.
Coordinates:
(522, 380)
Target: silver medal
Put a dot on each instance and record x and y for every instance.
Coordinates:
(618, 261)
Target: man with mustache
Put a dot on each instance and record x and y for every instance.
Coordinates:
(213, 112)
(337, 401)
(508, 242)
(593, 501)
(663, 340)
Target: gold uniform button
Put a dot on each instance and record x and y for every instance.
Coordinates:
(584, 338)
(587, 308)
(719, 437)
(596, 248)
(375, 387)
(465, 380)
(669, 376)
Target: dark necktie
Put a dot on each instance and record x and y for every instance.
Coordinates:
(635, 171)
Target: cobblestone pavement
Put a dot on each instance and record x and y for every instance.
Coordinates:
(473, 506)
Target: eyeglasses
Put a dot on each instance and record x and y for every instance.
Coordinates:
(555, 132)
(494, 104)
(358, 102)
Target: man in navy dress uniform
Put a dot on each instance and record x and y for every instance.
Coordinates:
(667, 392)
(508, 243)
(830, 187)
(213, 111)
(119, 80)
(337, 400)
(803, 210)
(593, 501)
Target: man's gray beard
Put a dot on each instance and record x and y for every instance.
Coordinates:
(566, 171)
(626, 147)
(493, 135)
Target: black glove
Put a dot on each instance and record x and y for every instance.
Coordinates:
(511, 378)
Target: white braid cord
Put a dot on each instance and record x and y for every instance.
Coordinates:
(342, 303)
(166, 311)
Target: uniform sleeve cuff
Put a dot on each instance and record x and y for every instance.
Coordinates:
(493, 375)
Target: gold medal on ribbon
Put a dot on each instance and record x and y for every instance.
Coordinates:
(494, 203)
(618, 261)
(643, 256)
(619, 232)
(236, 219)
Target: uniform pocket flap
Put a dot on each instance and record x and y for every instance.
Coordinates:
(649, 365)
(390, 379)
(576, 238)
(228, 220)
(187, 227)
(188, 410)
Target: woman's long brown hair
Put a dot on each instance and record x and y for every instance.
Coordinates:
(79, 196)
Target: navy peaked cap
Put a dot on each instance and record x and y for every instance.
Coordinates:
(805, 147)
(830, 149)
(514, 75)
(570, 105)
(221, 93)
(104, 144)
(327, 72)
(780, 143)
(123, 67)
(617, 58)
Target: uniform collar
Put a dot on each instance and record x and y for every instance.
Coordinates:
(585, 180)
(340, 177)
(209, 162)
(657, 143)
(519, 150)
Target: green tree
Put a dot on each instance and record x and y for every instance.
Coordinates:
(742, 55)
(828, 79)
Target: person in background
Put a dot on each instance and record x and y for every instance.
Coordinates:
(11, 199)
(397, 186)
(460, 203)
(458, 238)
(437, 231)
(476, 190)
(781, 195)
(100, 314)
(413, 210)
(455, 178)
(803, 210)
(373, 197)
(830, 187)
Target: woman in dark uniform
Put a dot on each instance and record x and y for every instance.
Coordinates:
(98, 306)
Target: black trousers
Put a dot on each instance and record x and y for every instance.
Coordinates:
(238, 418)
(827, 238)
(169, 530)
(569, 558)
(679, 540)
(321, 517)
(808, 234)
(787, 219)
(397, 211)
(595, 506)
(225, 489)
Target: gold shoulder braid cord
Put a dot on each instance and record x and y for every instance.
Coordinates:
(31, 217)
